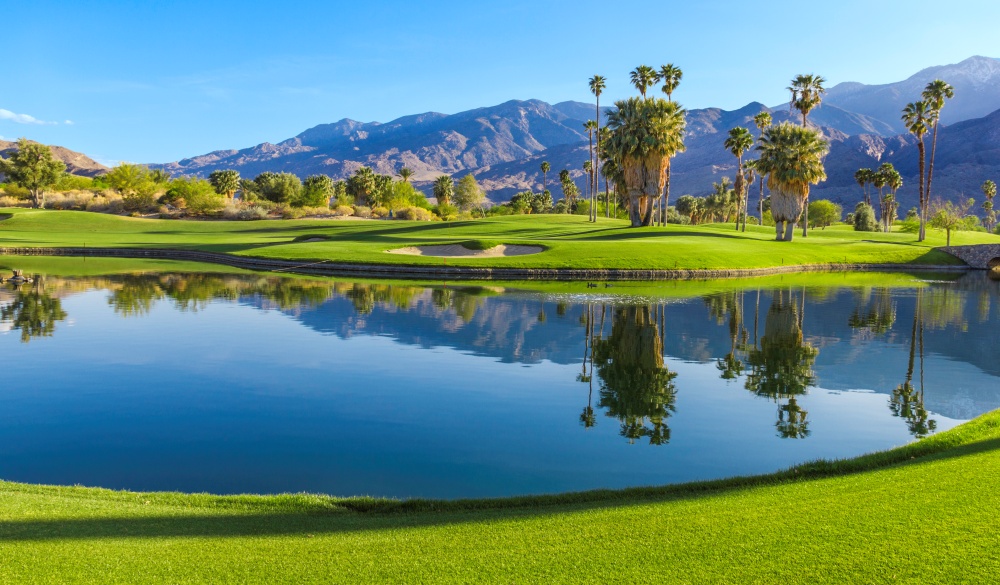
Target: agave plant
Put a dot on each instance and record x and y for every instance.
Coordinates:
(792, 158)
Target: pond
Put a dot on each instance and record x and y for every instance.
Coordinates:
(256, 383)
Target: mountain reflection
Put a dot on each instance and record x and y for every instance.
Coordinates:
(760, 339)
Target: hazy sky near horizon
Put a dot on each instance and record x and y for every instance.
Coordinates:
(158, 81)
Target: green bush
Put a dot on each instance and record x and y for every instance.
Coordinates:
(343, 211)
(380, 212)
(864, 218)
(415, 214)
(362, 211)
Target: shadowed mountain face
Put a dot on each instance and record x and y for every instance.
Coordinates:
(76, 163)
(504, 145)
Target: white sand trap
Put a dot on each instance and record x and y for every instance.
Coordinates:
(459, 251)
(313, 240)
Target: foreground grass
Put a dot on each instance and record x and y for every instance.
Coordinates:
(569, 241)
(924, 513)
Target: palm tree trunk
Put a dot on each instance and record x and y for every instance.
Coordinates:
(930, 166)
(923, 200)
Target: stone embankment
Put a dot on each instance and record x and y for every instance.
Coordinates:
(439, 272)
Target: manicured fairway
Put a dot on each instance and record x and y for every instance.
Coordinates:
(569, 241)
(925, 513)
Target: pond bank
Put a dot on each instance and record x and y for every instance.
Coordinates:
(329, 268)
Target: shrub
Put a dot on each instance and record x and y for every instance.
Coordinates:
(415, 214)
(288, 212)
(110, 203)
(864, 218)
(343, 211)
(244, 212)
(14, 191)
(380, 212)
(197, 195)
(362, 211)
(69, 200)
(8, 201)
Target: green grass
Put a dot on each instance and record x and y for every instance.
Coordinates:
(569, 241)
(923, 513)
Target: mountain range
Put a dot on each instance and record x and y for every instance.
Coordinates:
(504, 145)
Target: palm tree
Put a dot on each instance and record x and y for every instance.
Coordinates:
(934, 94)
(405, 174)
(597, 84)
(739, 141)
(792, 158)
(602, 135)
(546, 167)
(643, 77)
(750, 173)
(444, 187)
(917, 116)
(990, 191)
(671, 77)
(591, 127)
(762, 121)
(807, 93)
(645, 134)
(864, 178)
(894, 181)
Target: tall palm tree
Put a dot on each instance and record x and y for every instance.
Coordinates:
(546, 167)
(762, 121)
(989, 191)
(917, 116)
(444, 187)
(739, 141)
(750, 173)
(597, 84)
(602, 135)
(807, 93)
(792, 158)
(591, 127)
(934, 94)
(894, 181)
(643, 77)
(645, 134)
(864, 177)
(671, 76)
(405, 174)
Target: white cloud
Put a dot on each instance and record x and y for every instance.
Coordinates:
(68, 122)
(21, 118)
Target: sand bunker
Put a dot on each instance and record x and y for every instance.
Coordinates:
(459, 251)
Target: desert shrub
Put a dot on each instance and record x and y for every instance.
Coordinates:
(362, 211)
(8, 201)
(239, 212)
(415, 214)
(446, 211)
(343, 211)
(198, 196)
(289, 212)
(317, 211)
(68, 182)
(14, 191)
(69, 200)
(864, 218)
(673, 216)
(109, 203)
(380, 212)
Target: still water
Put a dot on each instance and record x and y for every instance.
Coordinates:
(265, 384)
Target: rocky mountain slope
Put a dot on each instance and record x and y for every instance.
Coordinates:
(76, 163)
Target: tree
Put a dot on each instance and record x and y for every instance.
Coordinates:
(989, 191)
(248, 190)
(405, 174)
(762, 120)
(279, 187)
(721, 203)
(671, 76)
(32, 167)
(823, 213)
(934, 94)
(738, 142)
(864, 178)
(225, 182)
(444, 188)
(591, 127)
(949, 216)
(864, 218)
(541, 202)
(468, 194)
(807, 93)
(918, 117)
(134, 184)
(792, 158)
(546, 167)
(361, 185)
(645, 134)
(569, 189)
(521, 202)
(889, 177)
(316, 192)
(643, 77)
(198, 195)
(597, 85)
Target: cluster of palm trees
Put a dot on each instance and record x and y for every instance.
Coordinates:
(989, 191)
(885, 177)
(922, 117)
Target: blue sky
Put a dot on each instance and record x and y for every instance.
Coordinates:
(159, 81)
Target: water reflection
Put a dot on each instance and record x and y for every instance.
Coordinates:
(33, 311)
(906, 401)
